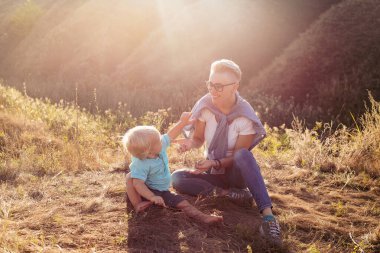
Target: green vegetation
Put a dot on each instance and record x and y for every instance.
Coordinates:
(44, 134)
(129, 49)
(326, 148)
(45, 144)
(318, 66)
(53, 131)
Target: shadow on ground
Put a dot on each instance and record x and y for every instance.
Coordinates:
(167, 230)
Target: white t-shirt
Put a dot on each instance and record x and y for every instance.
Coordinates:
(239, 126)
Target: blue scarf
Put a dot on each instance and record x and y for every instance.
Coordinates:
(219, 143)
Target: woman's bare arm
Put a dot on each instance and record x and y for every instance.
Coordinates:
(243, 141)
(197, 139)
(199, 134)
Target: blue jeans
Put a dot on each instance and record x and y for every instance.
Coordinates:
(244, 173)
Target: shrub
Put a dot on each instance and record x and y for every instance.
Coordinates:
(342, 148)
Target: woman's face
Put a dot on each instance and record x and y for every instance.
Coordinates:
(222, 86)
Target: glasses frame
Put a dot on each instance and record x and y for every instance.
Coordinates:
(217, 86)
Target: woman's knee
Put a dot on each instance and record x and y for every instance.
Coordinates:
(242, 154)
(243, 158)
(178, 176)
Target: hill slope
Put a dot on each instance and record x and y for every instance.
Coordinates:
(51, 45)
(332, 65)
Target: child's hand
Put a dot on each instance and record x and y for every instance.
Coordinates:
(202, 166)
(158, 201)
(183, 145)
(185, 118)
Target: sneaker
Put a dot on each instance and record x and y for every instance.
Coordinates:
(240, 195)
(271, 231)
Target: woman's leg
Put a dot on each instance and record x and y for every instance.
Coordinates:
(135, 198)
(248, 173)
(197, 184)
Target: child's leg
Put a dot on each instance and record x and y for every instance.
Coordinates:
(193, 212)
(134, 197)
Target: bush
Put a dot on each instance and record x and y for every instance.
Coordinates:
(342, 148)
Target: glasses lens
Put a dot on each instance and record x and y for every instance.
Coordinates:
(217, 87)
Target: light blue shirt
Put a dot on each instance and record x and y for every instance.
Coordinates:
(154, 172)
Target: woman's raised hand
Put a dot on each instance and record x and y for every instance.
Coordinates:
(202, 166)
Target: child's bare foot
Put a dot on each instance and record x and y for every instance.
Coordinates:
(198, 215)
(209, 219)
(142, 206)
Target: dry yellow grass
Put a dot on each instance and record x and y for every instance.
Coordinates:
(87, 210)
(83, 208)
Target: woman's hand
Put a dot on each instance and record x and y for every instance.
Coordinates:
(203, 166)
(158, 201)
(184, 145)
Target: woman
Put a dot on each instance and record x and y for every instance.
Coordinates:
(231, 129)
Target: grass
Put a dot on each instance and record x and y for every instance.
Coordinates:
(330, 149)
(62, 186)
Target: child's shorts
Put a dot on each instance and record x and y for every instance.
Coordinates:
(171, 199)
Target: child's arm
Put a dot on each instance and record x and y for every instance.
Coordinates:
(144, 191)
(177, 128)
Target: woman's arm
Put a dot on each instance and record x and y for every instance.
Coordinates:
(197, 139)
(243, 141)
(199, 134)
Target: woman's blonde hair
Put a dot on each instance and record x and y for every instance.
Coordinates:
(138, 140)
(225, 65)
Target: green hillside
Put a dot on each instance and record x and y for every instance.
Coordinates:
(129, 48)
(325, 73)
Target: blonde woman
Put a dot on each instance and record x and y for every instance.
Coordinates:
(230, 128)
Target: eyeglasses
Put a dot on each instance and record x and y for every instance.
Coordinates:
(217, 86)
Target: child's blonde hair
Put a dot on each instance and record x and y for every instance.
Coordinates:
(138, 140)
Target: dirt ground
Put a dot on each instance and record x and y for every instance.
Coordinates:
(87, 212)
